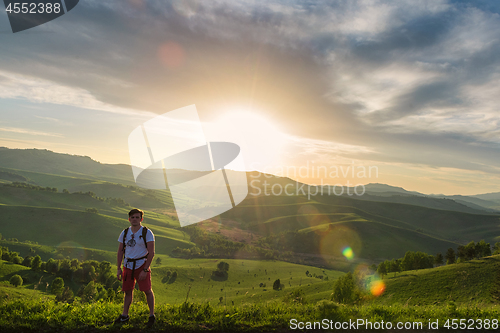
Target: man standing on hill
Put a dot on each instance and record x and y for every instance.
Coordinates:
(137, 246)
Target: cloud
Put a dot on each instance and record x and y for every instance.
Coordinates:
(400, 82)
(38, 90)
(29, 132)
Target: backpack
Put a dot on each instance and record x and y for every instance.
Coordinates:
(144, 232)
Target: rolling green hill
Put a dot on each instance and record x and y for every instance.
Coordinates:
(46, 161)
(64, 227)
(132, 195)
(471, 282)
(377, 230)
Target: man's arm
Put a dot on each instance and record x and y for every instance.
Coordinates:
(119, 259)
(149, 260)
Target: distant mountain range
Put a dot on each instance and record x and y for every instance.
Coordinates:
(383, 223)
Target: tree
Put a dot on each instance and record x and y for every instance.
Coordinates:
(66, 296)
(158, 261)
(381, 269)
(470, 251)
(438, 260)
(496, 248)
(223, 266)
(277, 285)
(36, 263)
(408, 261)
(16, 280)
(89, 292)
(450, 256)
(395, 266)
(57, 286)
(6, 255)
(461, 253)
(15, 258)
(345, 289)
(483, 249)
(52, 266)
(27, 261)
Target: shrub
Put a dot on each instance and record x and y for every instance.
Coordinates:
(296, 296)
(277, 285)
(66, 296)
(36, 264)
(345, 290)
(57, 286)
(27, 261)
(16, 280)
(223, 266)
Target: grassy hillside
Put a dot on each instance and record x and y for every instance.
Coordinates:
(378, 230)
(46, 161)
(64, 227)
(371, 236)
(242, 284)
(263, 211)
(132, 195)
(194, 277)
(472, 282)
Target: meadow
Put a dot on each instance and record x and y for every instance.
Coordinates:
(196, 302)
(84, 215)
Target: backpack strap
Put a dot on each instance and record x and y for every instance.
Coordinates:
(125, 231)
(144, 233)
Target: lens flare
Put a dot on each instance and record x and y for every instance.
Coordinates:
(171, 55)
(348, 253)
(377, 288)
(340, 241)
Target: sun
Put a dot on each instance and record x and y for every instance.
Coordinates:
(260, 138)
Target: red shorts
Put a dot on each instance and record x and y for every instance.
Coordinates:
(129, 280)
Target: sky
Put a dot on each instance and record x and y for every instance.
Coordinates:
(410, 89)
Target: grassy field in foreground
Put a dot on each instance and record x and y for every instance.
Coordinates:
(36, 315)
(465, 291)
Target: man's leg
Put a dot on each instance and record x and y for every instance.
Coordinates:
(129, 295)
(150, 297)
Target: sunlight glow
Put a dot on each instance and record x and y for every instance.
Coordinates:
(260, 140)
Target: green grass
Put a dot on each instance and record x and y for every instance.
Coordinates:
(420, 296)
(472, 282)
(44, 315)
(242, 284)
(70, 249)
(64, 227)
(131, 194)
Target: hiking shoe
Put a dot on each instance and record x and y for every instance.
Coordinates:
(151, 321)
(121, 319)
